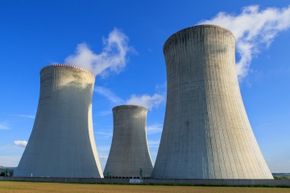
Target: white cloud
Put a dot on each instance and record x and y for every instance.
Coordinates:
(24, 116)
(103, 134)
(253, 29)
(104, 113)
(153, 143)
(161, 88)
(149, 101)
(112, 58)
(112, 97)
(4, 126)
(20, 143)
(154, 129)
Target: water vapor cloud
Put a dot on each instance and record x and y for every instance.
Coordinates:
(112, 58)
(254, 28)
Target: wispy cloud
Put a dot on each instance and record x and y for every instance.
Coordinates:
(27, 116)
(154, 128)
(149, 101)
(4, 126)
(104, 113)
(253, 28)
(113, 57)
(161, 88)
(153, 143)
(20, 143)
(104, 134)
(146, 100)
(107, 93)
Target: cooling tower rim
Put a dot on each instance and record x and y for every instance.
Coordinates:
(71, 66)
(129, 107)
(184, 30)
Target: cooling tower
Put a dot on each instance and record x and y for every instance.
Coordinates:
(206, 134)
(129, 155)
(62, 142)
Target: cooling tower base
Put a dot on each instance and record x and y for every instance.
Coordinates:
(196, 182)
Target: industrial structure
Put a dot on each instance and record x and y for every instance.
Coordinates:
(206, 134)
(129, 155)
(62, 142)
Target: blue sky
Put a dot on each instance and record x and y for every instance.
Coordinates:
(127, 38)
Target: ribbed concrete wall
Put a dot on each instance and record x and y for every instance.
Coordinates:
(207, 134)
(62, 141)
(129, 153)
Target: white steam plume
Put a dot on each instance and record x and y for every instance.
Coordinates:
(112, 58)
(148, 101)
(253, 29)
(20, 143)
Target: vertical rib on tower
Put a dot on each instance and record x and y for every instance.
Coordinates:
(129, 155)
(62, 142)
(207, 134)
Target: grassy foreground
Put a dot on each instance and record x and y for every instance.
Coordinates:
(36, 187)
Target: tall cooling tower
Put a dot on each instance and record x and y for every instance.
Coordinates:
(62, 142)
(206, 134)
(129, 155)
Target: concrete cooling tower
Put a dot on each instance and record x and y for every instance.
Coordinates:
(129, 155)
(206, 134)
(62, 142)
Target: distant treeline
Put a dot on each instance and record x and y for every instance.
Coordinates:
(281, 176)
(6, 171)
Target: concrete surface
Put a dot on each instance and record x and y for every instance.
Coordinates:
(129, 155)
(206, 134)
(62, 142)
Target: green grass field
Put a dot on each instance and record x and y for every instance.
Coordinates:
(36, 187)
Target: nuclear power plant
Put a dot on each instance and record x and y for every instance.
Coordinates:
(62, 142)
(206, 134)
(129, 155)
